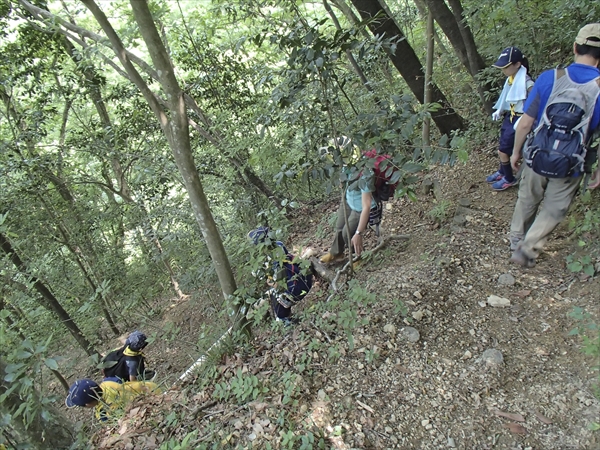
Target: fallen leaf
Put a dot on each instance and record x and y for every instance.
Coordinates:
(524, 293)
(134, 411)
(542, 418)
(516, 428)
(515, 417)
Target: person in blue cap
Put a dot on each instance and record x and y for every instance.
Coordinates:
(108, 397)
(128, 362)
(509, 108)
(289, 282)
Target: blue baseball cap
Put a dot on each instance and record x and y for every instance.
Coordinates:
(136, 341)
(258, 235)
(83, 392)
(509, 55)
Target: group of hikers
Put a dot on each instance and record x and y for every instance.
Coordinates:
(124, 377)
(553, 123)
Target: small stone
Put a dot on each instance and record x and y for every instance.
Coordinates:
(465, 202)
(389, 328)
(388, 206)
(451, 443)
(506, 279)
(442, 261)
(425, 422)
(467, 355)
(417, 315)
(418, 295)
(321, 394)
(498, 302)
(411, 334)
(459, 220)
(252, 436)
(492, 357)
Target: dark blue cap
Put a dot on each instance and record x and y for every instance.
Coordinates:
(136, 341)
(509, 55)
(83, 392)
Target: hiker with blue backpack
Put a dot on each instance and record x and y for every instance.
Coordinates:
(509, 108)
(289, 282)
(563, 110)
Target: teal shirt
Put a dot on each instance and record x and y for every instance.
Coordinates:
(354, 196)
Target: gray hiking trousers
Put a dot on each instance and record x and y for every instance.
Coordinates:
(529, 232)
(340, 240)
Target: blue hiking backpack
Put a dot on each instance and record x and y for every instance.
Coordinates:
(557, 149)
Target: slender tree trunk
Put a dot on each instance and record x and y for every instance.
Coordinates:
(428, 75)
(460, 36)
(349, 54)
(50, 300)
(423, 11)
(175, 127)
(408, 64)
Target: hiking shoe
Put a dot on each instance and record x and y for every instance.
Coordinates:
(502, 184)
(520, 258)
(496, 176)
(329, 258)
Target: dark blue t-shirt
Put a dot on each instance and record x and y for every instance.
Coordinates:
(579, 73)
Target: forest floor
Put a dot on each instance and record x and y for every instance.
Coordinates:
(387, 387)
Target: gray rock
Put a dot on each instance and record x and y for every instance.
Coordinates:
(492, 357)
(411, 334)
(426, 187)
(506, 279)
(466, 202)
(451, 442)
(498, 302)
(463, 211)
(459, 220)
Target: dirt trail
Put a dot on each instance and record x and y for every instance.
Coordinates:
(379, 389)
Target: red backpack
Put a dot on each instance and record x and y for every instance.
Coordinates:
(385, 173)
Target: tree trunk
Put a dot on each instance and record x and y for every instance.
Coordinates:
(176, 129)
(428, 74)
(408, 64)
(460, 36)
(50, 301)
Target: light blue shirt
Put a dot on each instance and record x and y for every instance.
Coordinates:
(354, 196)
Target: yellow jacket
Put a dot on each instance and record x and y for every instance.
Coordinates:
(115, 396)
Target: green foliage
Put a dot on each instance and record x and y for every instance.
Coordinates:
(188, 442)
(585, 223)
(589, 332)
(439, 213)
(242, 388)
(25, 367)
